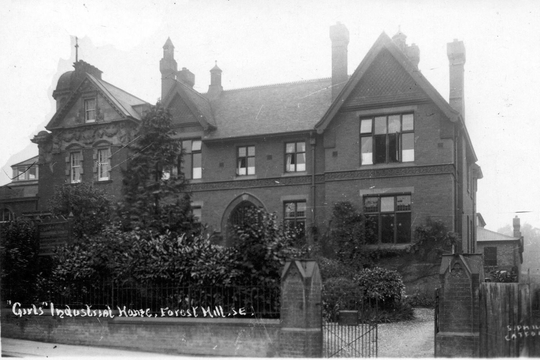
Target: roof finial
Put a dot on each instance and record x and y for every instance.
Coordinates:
(76, 49)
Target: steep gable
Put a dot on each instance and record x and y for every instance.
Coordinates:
(399, 81)
(111, 104)
(386, 81)
(187, 106)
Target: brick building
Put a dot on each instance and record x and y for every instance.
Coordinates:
(501, 252)
(382, 138)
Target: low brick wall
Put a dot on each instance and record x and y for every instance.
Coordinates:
(187, 336)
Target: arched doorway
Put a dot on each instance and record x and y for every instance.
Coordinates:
(236, 214)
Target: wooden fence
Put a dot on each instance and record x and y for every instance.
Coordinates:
(509, 320)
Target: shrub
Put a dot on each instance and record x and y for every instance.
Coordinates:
(339, 294)
(332, 268)
(381, 286)
(89, 207)
(19, 258)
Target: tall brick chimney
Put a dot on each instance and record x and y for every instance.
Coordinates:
(168, 68)
(339, 35)
(215, 87)
(456, 56)
(517, 227)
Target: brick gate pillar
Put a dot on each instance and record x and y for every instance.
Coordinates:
(301, 312)
(459, 326)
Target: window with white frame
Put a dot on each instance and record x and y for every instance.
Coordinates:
(387, 139)
(75, 167)
(192, 159)
(197, 213)
(295, 156)
(388, 219)
(103, 164)
(90, 110)
(245, 160)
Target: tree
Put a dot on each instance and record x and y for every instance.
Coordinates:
(89, 207)
(153, 181)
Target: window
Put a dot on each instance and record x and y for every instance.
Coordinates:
(197, 213)
(295, 156)
(90, 110)
(246, 161)
(387, 139)
(6, 215)
(295, 215)
(243, 214)
(103, 164)
(388, 219)
(192, 159)
(22, 173)
(490, 256)
(76, 170)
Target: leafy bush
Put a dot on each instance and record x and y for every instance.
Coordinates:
(19, 258)
(503, 276)
(262, 245)
(381, 286)
(332, 268)
(433, 239)
(340, 294)
(346, 234)
(89, 207)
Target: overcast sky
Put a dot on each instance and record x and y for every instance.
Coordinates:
(265, 42)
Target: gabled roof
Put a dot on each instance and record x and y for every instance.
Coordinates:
(197, 103)
(488, 235)
(27, 162)
(270, 109)
(384, 42)
(123, 102)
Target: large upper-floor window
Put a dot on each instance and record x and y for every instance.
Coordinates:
(387, 139)
(245, 160)
(75, 167)
(90, 110)
(192, 159)
(295, 156)
(388, 219)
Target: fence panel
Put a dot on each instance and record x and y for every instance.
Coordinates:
(350, 329)
(509, 320)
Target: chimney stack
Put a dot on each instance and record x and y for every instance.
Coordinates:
(411, 51)
(517, 227)
(339, 35)
(215, 87)
(168, 68)
(456, 56)
(186, 77)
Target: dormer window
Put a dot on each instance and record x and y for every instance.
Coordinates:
(90, 110)
(22, 173)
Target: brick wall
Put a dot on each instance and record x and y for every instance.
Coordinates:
(458, 316)
(203, 337)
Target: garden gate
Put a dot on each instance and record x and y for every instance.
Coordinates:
(350, 333)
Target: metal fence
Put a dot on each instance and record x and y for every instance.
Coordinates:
(163, 299)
